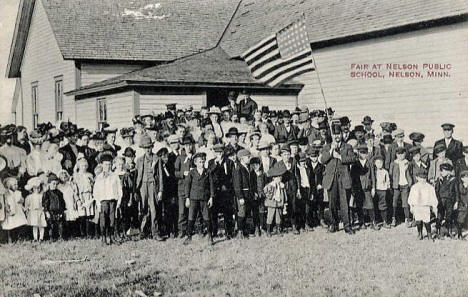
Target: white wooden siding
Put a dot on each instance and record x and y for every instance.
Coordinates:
(157, 102)
(42, 62)
(419, 104)
(275, 102)
(86, 115)
(95, 72)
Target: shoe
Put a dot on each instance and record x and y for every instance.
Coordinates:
(407, 223)
(363, 227)
(296, 231)
(322, 223)
(258, 232)
(420, 236)
(413, 224)
(332, 229)
(158, 237)
(349, 230)
(182, 235)
(393, 222)
(386, 226)
(374, 227)
(188, 240)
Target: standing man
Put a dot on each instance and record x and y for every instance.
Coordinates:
(70, 150)
(247, 105)
(367, 123)
(454, 148)
(337, 178)
(150, 185)
(233, 106)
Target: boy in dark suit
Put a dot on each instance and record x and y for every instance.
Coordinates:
(306, 184)
(199, 191)
(258, 181)
(242, 189)
(318, 206)
(446, 191)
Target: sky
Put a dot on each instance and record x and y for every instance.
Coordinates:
(8, 11)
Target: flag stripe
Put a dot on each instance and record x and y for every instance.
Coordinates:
(272, 56)
(285, 69)
(258, 45)
(290, 75)
(261, 52)
(270, 67)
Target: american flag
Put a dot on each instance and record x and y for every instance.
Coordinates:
(281, 56)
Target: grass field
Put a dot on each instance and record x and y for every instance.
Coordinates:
(384, 263)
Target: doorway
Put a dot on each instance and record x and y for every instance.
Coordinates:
(217, 97)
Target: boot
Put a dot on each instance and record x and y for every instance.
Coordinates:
(268, 227)
(459, 232)
(374, 226)
(258, 232)
(393, 222)
(210, 240)
(420, 234)
(188, 239)
(322, 223)
(296, 230)
(407, 223)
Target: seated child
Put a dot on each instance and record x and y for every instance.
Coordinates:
(422, 200)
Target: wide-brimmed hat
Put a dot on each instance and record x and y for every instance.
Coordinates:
(277, 170)
(146, 141)
(345, 120)
(446, 166)
(127, 132)
(8, 130)
(367, 120)
(36, 137)
(214, 110)
(232, 131)
(416, 137)
(33, 182)
(447, 126)
(98, 135)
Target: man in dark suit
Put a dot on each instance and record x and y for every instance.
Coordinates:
(347, 134)
(247, 106)
(232, 98)
(242, 190)
(84, 148)
(286, 130)
(336, 178)
(306, 185)
(233, 136)
(110, 141)
(150, 185)
(220, 169)
(454, 148)
(316, 169)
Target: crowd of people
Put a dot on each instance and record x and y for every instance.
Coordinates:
(239, 171)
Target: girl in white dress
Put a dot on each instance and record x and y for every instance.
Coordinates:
(14, 213)
(84, 182)
(34, 210)
(53, 159)
(422, 200)
(70, 196)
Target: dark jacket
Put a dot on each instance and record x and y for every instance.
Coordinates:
(243, 188)
(394, 146)
(247, 107)
(310, 177)
(446, 188)
(181, 165)
(199, 187)
(395, 175)
(53, 202)
(258, 182)
(69, 158)
(290, 178)
(282, 133)
(454, 150)
(336, 167)
(157, 169)
(221, 174)
(362, 176)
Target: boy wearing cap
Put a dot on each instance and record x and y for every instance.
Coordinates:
(380, 188)
(199, 191)
(399, 135)
(275, 198)
(416, 163)
(447, 195)
(306, 184)
(243, 190)
(422, 200)
(54, 207)
(220, 169)
(462, 203)
(453, 147)
(316, 169)
(434, 167)
(402, 180)
(107, 192)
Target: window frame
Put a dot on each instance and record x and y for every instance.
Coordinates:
(35, 103)
(99, 103)
(58, 81)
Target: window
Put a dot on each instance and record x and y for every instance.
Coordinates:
(101, 112)
(35, 103)
(58, 98)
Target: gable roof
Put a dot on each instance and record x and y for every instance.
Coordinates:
(134, 30)
(211, 68)
(331, 19)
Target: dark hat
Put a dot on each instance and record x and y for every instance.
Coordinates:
(232, 131)
(219, 147)
(136, 120)
(84, 132)
(415, 150)
(127, 132)
(52, 177)
(243, 153)
(233, 94)
(294, 142)
(265, 109)
(446, 166)
(322, 125)
(146, 141)
(400, 150)
(277, 170)
(45, 127)
(345, 121)
(387, 139)
(359, 128)
(314, 113)
(285, 148)
(256, 132)
(439, 148)
(98, 136)
(367, 120)
(145, 115)
(388, 127)
(161, 151)
(273, 114)
(55, 136)
(171, 106)
(378, 157)
(108, 130)
(322, 113)
(312, 151)
(186, 140)
(199, 155)
(303, 141)
(363, 149)
(422, 173)
(129, 152)
(245, 92)
(302, 157)
(280, 114)
(286, 114)
(336, 128)
(168, 115)
(255, 160)
(464, 173)
(447, 126)
(416, 137)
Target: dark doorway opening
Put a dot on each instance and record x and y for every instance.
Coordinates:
(217, 97)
